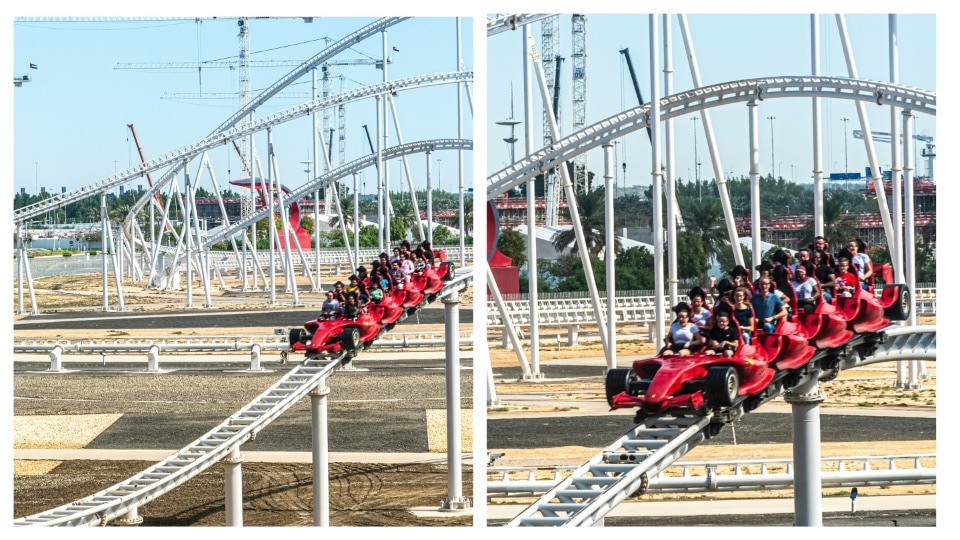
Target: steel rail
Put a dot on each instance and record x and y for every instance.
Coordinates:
(596, 487)
(733, 475)
(698, 99)
(621, 469)
(185, 153)
(340, 172)
(212, 344)
(307, 65)
(125, 497)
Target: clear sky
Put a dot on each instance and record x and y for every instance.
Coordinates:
(728, 47)
(70, 121)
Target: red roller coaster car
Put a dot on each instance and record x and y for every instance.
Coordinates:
(701, 381)
(333, 337)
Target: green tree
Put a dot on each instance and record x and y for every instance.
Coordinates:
(705, 220)
(634, 267)
(442, 236)
(513, 244)
(692, 262)
(306, 221)
(592, 221)
(840, 223)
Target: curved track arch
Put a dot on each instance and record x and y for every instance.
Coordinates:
(707, 97)
(345, 170)
(623, 468)
(189, 152)
(125, 497)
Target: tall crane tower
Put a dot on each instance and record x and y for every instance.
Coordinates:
(550, 41)
(581, 181)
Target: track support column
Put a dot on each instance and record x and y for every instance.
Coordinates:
(233, 484)
(321, 456)
(805, 400)
(455, 499)
(56, 359)
(131, 519)
(153, 359)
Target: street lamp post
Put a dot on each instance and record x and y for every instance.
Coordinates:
(846, 164)
(772, 160)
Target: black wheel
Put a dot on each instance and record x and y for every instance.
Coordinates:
(451, 269)
(389, 326)
(295, 335)
(899, 310)
(616, 382)
(722, 385)
(350, 338)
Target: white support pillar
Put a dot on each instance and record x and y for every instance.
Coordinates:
(153, 359)
(56, 359)
(319, 438)
(608, 187)
(429, 197)
(532, 282)
(817, 130)
(508, 326)
(233, 488)
(909, 238)
(131, 518)
(455, 499)
(754, 136)
(805, 401)
(670, 169)
(103, 246)
(255, 357)
(656, 177)
(582, 248)
(462, 188)
(573, 334)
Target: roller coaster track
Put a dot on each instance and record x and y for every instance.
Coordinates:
(707, 97)
(185, 153)
(118, 500)
(624, 468)
(340, 172)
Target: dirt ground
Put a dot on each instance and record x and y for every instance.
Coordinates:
(361, 494)
(379, 494)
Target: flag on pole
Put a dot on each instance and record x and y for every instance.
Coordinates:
(33, 66)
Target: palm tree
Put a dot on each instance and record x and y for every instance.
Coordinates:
(839, 222)
(592, 216)
(407, 217)
(705, 219)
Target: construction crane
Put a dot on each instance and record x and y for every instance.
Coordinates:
(581, 180)
(550, 43)
(929, 152)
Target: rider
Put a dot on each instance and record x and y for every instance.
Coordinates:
(767, 306)
(683, 336)
(330, 307)
(722, 338)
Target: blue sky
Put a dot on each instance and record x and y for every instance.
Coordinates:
(728, 47)
(70, 121)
